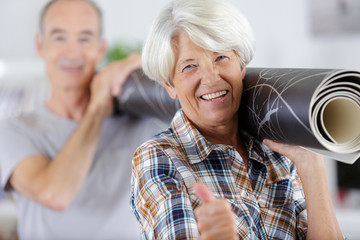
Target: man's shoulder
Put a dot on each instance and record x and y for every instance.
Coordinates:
(30, 125)
(22, 121)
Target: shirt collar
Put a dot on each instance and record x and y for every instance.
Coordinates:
(277, 166)
(256, 149)
(195, 145)
(197, 148)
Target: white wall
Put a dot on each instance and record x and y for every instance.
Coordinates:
(282, 29)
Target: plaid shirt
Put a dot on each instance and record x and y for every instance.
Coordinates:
(267, 199)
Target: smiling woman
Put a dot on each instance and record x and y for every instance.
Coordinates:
(208, 85)
(198, 50)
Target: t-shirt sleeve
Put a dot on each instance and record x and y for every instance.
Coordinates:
(16, 144)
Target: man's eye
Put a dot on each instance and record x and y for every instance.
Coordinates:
(221, 58)
(59, 39)
(188, 67)
(84, 40)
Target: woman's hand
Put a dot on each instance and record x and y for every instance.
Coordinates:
(306, 162)
(214, 217)
(322, 222)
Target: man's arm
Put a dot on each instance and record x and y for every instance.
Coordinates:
(55, 183)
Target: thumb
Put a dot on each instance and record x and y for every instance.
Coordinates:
(203, 193)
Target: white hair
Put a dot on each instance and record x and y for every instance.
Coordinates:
(214, 25)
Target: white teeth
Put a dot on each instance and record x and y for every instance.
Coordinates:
(213, 95)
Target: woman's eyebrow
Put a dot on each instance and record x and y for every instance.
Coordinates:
(181, 62)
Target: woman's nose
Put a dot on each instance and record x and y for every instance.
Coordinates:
(209, 74)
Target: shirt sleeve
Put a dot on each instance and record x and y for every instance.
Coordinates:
(159, 199)
(300, 205)
(15, 146)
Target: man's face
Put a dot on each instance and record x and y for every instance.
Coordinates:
(70, 44)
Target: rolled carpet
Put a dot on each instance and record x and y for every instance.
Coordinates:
(318, 109)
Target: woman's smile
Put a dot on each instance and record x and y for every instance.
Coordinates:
(216, 96)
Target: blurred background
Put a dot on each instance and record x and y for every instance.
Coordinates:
(297, 33)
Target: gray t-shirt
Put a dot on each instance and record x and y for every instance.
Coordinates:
(101, 209)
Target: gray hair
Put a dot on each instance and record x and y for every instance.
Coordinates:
(50, 3)
(214, 25)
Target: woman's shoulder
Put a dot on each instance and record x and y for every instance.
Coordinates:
(164, 148)
(161, 141)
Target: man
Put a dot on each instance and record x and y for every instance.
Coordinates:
(68, 162)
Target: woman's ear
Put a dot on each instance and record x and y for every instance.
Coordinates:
(243, 73)
(170, 89)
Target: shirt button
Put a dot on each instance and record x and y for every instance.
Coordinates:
(245, 194)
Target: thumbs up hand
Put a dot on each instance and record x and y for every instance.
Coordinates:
(214, 217)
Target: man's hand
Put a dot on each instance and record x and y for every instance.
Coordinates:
(214, 217)
(119, 71)
(109, 81)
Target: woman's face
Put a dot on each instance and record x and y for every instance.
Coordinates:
(208, 84)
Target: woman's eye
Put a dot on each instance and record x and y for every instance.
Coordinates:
(221, 58)
(188, 67)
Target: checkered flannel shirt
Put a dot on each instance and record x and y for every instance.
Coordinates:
(267, 200)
